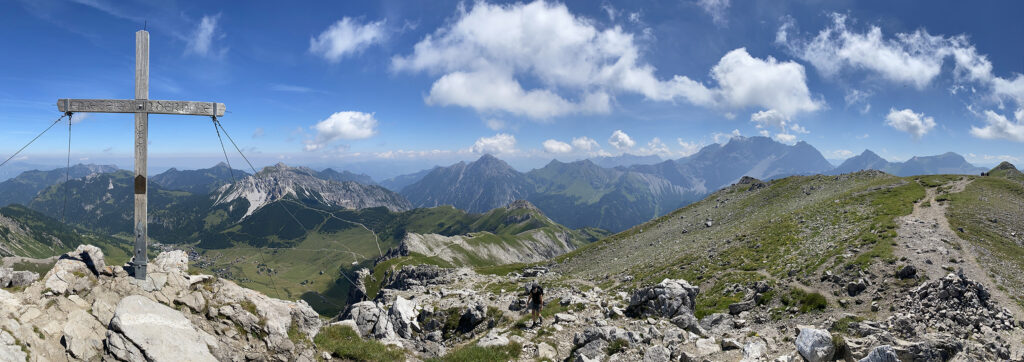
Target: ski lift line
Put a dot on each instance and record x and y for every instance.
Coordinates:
(376, 239)
(34, 139)
(67, 171)
(225, 150)
(217, 125)
(254, 172)
(387, 321)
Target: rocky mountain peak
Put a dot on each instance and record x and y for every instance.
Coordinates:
(521, 205)
(870, 154)
(1005, 166)
(280, 181)
(489, 162)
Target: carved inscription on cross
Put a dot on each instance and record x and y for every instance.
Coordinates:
(142, 107)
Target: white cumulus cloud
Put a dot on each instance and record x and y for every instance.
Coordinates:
(725, 137)
(746, 81)
(769, 118)
(495, 124)
(585, 143)
(689, 148)
(916, 124)
(908, 58)
(346, 36)
(202, 38)
(347, 125)
(715, 8)
(555, 146)
(656, 147)
(621, 141)
(999, 127)
(785, 138)
(501, 143)
(482, 56)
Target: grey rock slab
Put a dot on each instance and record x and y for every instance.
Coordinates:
(5, 277)
(403, 314)
(881, 354)
(23, 278)
(754, 351)
(708, 346)
(657, 354)
(175, 261)
(157, 331)
(815, 345)
(667, 299)
(492, 339)
(9, 349)
(83, 335)
(737, 308)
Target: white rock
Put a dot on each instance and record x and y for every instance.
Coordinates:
(881, 354)
(545, 351)
(657, 354)
(157, 331)
(175, 261)
(83, 335)
(754, 351)
(565, 318)
(708, 346)
(5, 277)
(403, 314)
(815, 345)
(492, 339)
(9, 349)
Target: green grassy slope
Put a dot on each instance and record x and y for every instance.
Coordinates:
(793, 230)
(31, 234)
(989, 214)
(271, 252)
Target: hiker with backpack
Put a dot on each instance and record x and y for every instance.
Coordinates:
(536, 301)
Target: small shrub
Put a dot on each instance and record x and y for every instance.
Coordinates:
(617, 346)
(805, 301)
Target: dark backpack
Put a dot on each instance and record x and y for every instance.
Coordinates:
(536, 290)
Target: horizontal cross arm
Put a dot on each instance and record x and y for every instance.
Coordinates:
(140, 106)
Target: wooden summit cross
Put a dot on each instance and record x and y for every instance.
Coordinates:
(142, 107)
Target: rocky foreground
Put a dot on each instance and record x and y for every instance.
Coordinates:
(429, 311)
(85, 310)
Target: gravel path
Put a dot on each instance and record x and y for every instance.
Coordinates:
(927, 241)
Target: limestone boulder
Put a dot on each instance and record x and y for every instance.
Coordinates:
(142, 329)
(667, 299)
(815, 345)
(23, 278)
(83, 335)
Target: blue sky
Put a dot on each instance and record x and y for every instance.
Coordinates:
(395, 86)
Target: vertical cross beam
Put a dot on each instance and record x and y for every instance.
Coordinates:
(140, 259)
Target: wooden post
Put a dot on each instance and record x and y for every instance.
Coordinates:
(140, 259)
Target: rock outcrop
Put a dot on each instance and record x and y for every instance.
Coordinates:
(83, 309)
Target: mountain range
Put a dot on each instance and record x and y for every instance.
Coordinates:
(946, 163)
(198, 181)
(583, 193)
(575, 194)
(22, 188)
